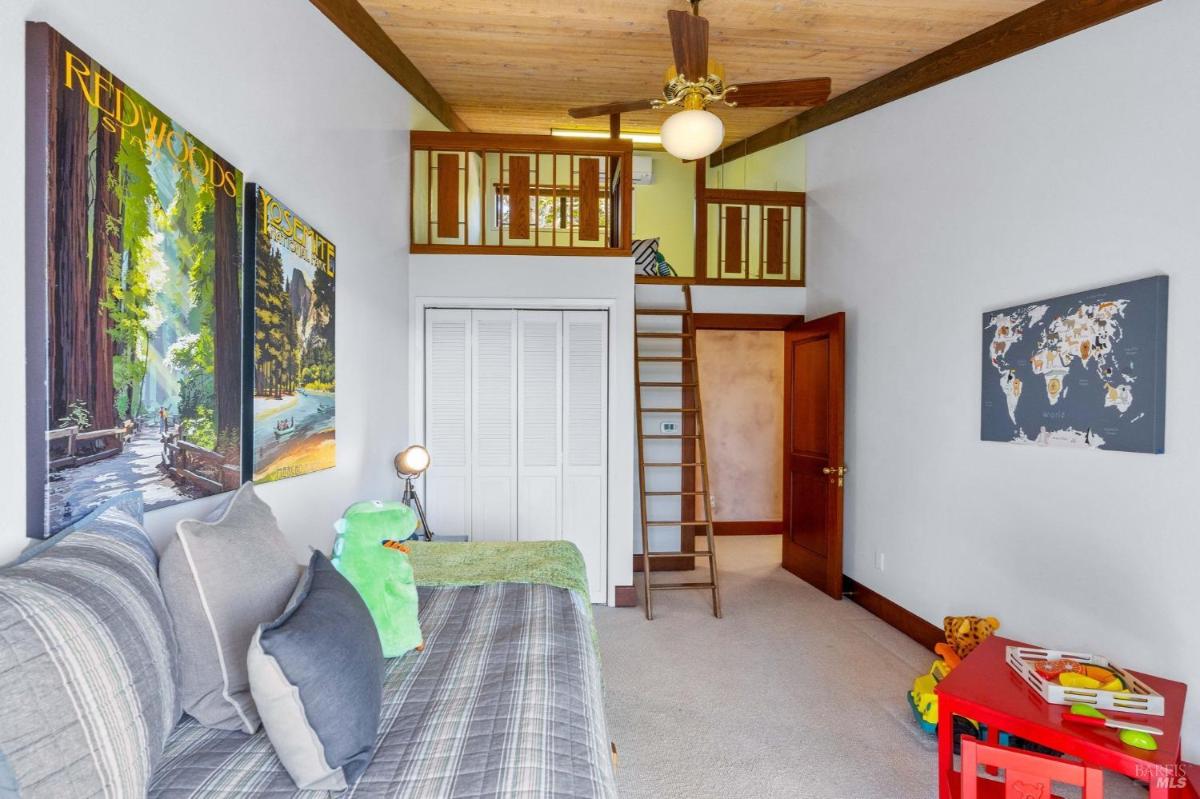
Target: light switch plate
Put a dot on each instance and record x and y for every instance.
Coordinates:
(669, 427)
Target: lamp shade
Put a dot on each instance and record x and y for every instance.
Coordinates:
(689, 135)
(412, 461)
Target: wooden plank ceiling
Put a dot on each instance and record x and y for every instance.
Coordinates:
(515, 66)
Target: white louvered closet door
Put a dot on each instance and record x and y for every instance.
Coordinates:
(448, 419)
(539, 425)
(494, 426)
(585, 441)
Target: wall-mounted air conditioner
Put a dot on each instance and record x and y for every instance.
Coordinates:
(643, 170)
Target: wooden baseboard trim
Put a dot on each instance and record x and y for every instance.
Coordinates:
(626, 596)
(759, 527)
(903, 620)
(680, 564)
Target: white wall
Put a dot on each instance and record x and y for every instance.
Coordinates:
(274, 87)
(547, 281)
(1069, 167)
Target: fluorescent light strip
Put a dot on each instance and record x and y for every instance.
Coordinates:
(636, 138)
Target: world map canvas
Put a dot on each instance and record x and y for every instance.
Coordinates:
(1082, 370)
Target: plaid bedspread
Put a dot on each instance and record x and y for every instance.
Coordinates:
(505, 701)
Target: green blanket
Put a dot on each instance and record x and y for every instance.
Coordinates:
(557, 563)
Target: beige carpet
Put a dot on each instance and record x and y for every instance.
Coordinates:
(789, 695)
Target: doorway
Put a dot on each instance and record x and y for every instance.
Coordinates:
(774, 420)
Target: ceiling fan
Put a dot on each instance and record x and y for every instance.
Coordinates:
(696, 81)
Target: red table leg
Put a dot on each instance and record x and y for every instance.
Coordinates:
(945, 731)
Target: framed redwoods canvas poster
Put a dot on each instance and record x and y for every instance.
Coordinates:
(133, 280)
(290, 279)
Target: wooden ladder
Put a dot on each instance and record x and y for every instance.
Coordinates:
(689, 385)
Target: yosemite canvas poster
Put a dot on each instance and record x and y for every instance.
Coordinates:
(134, 295)
(292, 293)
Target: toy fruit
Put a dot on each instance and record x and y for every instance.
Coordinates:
(1072, 680)
(1139, 740)
(1139, 736)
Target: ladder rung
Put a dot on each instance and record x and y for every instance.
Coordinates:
(663, 335)
(677, 524)
(668, 385)
(660, 311)
(670, 358)
(670, 410)
(675, 493)
(676, 586)
(658, 437)
(700, 553)
(650, 465)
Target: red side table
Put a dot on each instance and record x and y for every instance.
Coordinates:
(986, 689)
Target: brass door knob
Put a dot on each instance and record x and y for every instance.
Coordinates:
(840, 471)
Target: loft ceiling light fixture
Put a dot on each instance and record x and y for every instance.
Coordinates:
(578, 133)
(696, 82)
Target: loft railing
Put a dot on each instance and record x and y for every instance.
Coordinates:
(750, 237)
(537, 195)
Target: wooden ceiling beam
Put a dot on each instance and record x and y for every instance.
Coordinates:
(362, 29)
(1023, 31)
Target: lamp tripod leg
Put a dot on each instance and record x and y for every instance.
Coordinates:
(421, 516)
(412, 500)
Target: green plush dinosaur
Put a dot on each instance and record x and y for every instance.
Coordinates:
(369, 554)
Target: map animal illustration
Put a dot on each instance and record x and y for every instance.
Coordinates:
(1081, 370)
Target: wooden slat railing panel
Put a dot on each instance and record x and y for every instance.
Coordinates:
(589, 199)
(518, 197)
(749, 237)
(447, 195)
(537, 195)
(733, 239)
(774, 243)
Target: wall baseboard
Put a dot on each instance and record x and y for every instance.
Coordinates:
(758, 527)
(626, 596)
(902, 619)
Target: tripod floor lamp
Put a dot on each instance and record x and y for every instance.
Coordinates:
(411, 464)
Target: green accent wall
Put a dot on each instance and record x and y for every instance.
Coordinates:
(778, 168)
(666, 209)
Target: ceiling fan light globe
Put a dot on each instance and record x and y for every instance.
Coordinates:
(689, 135)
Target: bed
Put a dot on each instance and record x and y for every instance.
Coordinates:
(504, 701)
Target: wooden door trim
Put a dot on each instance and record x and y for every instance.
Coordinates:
(740, 322)
(746, 321)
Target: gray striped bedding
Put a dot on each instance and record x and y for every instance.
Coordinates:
(505, 701)
(88, 663)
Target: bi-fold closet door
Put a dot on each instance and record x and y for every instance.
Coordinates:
(516, 422)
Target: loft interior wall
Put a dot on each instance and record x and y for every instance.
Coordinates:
(277, 89)
(741, 383)
(777, 168)
(1069, 167)
(666, 210)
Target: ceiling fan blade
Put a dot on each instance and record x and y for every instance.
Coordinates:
(610, 108)
(689, 38)
(782, 93)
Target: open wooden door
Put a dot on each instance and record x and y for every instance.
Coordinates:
(813, 468)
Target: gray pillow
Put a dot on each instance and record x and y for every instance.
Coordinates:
(221, 580)
(88, 664)
(317, 677)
